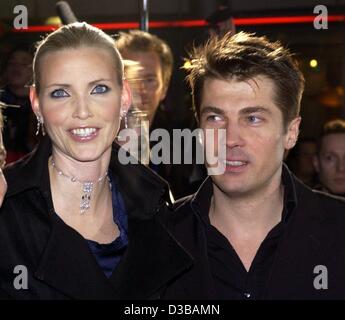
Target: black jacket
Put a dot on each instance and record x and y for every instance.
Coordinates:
(314, 235)
(59, 262)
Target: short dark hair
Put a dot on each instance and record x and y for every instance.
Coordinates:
(244, 56)
(336, 126)
(137, 40)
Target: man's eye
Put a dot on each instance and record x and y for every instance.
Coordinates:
(213, 117)
(101, 88)
(329, 157)
(59, 93)
(253, 119)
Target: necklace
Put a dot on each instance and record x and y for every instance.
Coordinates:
(86, 189)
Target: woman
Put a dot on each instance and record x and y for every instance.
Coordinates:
(76, 223)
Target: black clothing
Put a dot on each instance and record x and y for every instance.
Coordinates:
(231, 279)
(310, 236)
(185, 178)
(16, 122)
(59, 262)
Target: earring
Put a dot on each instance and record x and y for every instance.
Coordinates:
(123, 116)
(39, 125)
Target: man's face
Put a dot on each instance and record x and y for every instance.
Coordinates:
(255, 135)
(330, 163)
(152, 89)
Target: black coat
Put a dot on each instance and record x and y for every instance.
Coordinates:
(314, 235)
(59, 262)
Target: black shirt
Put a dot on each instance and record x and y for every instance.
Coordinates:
(231, 279)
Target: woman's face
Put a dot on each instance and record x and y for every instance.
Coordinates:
(80, 101)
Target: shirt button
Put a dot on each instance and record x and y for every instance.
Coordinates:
(247, 295)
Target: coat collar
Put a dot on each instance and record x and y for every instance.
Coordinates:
(201, 200)
(145, 187)
(153, 256)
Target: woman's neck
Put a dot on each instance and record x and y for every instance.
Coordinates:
(79, 187)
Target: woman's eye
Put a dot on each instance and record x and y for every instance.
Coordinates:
(59, 93)
(101, 88)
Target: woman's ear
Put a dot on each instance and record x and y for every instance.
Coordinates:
(34, 101)
(126, 97)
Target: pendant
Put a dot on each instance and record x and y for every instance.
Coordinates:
(86, 196)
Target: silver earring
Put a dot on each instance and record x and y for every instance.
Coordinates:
(39, 125)
(123, 116)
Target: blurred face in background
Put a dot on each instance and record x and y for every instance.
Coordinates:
(2, 148)
(18, 70)
(330, 163)
(152, 89)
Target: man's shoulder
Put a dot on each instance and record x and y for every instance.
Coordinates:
(321, 203)
(330, 202)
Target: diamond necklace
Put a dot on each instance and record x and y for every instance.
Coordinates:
(86, 189)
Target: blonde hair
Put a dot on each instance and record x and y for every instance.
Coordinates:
(73, 36)
(142, 41)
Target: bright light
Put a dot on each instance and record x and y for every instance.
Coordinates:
(187, 65)
(313, 63)
(53, 21)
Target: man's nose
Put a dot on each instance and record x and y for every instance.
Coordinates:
(234, 135)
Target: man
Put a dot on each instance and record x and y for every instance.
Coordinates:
(221, 21)
(255, 232)
(19, 127)
(329, 162)
(156, 63)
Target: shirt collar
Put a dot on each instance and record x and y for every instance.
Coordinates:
(201, 200)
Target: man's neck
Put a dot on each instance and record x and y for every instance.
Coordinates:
(259, 211)
(246, 221)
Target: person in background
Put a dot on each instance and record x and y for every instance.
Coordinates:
(19, 124)
(156, 65)
(156, 61)
(3, 183)
(329, 161)
(221, 21)
(300, 161)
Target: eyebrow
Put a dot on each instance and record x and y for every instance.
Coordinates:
(209, 109)
(65, 85)
(244, 111)
(255, 109)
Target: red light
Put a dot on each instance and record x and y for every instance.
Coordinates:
(193, 23)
